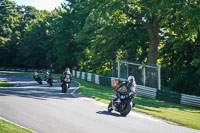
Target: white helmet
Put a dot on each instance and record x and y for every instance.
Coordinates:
(131, 78)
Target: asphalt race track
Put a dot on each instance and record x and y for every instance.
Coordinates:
(45, 109)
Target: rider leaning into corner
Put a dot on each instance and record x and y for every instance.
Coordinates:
(130, 85)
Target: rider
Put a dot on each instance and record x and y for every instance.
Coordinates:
(66, 72)
(130, 85)
(35, 76)
(46, 75)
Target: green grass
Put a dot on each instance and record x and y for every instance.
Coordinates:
(6, 84)
(12, 72)
(183, 115)
(7, 127)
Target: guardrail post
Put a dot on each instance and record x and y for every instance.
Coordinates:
(144, 74)
(127, 70)
(159, 75)
(118, 68)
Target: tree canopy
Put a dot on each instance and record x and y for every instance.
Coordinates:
(89, 34)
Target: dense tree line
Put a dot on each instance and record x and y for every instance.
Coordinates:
(89, 34)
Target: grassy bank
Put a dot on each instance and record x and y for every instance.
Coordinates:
(183, 115)
(6, 84)
(7, 127)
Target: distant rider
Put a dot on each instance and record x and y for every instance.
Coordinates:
(67, 72)
(47, 74)
(129, 85)
(36, 75)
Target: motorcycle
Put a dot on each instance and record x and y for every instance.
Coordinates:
(37, 78)
(49, 79)
(125, 105)
(65, 81)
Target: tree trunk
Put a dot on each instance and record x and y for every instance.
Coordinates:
(154, 38)
(153, 31)
(151, 73)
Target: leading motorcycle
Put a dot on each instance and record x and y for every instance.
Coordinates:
(65, 81)
(125, 105)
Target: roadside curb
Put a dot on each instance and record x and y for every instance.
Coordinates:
(77, 94)
(73, 92)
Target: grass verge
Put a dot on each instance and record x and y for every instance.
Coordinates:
(7, 127)
(6, 84)
(183, 115)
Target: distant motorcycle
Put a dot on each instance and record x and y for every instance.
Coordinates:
(49, 79)
(37, 78)
(65, 81)
(125, 105)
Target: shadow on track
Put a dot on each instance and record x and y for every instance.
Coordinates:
(42, 92)
(37, 93)
(109, 113)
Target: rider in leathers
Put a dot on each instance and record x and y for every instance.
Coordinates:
(130, 85)
(66, 72)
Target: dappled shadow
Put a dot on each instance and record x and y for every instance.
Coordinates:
(109, 113)
(147, 109)
(29, 88)
(37, 93)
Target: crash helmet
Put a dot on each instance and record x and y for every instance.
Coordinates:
(131, 78)
(67, 69)
(47, 73)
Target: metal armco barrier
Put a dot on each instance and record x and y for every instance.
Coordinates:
(146, 91)
(190, 100)
(169, 96)
(149, 92)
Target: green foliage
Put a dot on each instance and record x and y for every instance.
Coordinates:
(90, 34)
(187, 84)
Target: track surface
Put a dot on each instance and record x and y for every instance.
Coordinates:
(45, 109)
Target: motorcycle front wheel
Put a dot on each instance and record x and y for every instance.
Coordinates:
(127, 109)
(64, 87)
(51, 83)
(40, 81)
(110, 107)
